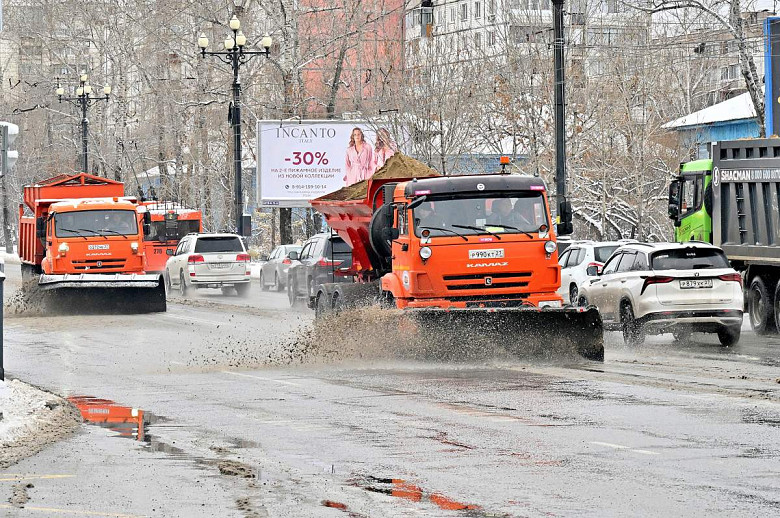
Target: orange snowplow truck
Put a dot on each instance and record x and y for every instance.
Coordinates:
(462, 254)
(167, 222)
(83, 240)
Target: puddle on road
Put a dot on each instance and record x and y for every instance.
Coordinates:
(399, 488)
(125, 421)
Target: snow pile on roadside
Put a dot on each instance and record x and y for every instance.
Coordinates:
(32, 419)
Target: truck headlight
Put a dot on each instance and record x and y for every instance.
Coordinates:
(550, 247)
(549, 303)
(425, 253)
(63, 249)
(134, 247)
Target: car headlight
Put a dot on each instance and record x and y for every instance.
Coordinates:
(550, 247)
(549, 303)
(425, 252)
(63, 248)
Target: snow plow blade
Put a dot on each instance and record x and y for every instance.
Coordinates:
(549, 332)
(105, 293)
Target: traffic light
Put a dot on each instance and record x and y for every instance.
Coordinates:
(8, 156)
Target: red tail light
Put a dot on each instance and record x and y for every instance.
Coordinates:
(195, 259)
(735, 277)
(286, 261)
(657, 279)
(325, 262)
(243, 258)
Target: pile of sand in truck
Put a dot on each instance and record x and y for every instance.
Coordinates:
(397, 166)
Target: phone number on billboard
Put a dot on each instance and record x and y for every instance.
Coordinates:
(308, 186)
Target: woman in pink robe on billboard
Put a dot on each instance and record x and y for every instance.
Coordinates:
(360, 158)
(385, 148)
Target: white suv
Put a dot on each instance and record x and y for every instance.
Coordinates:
(580, 255)
(209, 261)
(676, 288)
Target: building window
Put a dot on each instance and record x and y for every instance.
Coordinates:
(615, 6)
(491, 7)
(464, 12)
(452, 15)
(477, 10)
(477, 40)
(491, 38)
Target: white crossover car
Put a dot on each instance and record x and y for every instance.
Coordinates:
(209, 261)
(580, 255)
(677, 288)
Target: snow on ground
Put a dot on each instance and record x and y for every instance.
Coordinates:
(31, 419)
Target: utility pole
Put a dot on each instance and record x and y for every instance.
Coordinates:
(564, 208)
(8, 157)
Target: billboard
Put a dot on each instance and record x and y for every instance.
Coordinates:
(302, 160)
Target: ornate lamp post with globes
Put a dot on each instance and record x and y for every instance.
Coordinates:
(83, 99)
(235, 55)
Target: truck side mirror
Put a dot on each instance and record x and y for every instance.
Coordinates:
(293, 256)
(674, 199)
(566, 214)
(168, 251)
(40, 227)
(147, 218)
(390, 233)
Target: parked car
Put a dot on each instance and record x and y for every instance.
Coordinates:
(323, 258)
(209, 261)
(677, 288)
(275, 267)
(580, 255)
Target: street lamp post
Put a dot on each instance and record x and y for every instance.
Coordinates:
(83, 99)
(236, 55)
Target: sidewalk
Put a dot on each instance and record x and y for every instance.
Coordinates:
(31, 420)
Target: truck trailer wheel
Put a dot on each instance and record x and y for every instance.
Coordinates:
(760, 307)
(777, 306)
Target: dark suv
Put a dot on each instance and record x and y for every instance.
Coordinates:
(323, 258)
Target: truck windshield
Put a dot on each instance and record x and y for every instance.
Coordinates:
(514, 213)
(96, 222)
(689, 259)
(691, 195)
(216, 244)
(171, 230)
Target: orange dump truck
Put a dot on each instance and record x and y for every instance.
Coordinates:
(166, 224)
(467, 253)
(83, 240)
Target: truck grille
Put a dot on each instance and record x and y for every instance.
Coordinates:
(105, 264)
(498, 280)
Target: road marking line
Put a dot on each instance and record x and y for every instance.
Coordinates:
(621, 447)
(610, 445)
(70, 511)
(646, 452)
(262, 378)
(10, 477)
(193, 319)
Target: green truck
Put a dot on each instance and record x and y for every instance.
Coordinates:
(731, 201)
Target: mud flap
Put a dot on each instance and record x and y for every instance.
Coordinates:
(549, 332)
(104, 293)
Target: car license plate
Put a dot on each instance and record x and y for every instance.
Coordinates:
(696, 283)
(487, 253)
(219, 266)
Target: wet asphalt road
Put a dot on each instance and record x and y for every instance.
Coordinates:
(688, 429)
